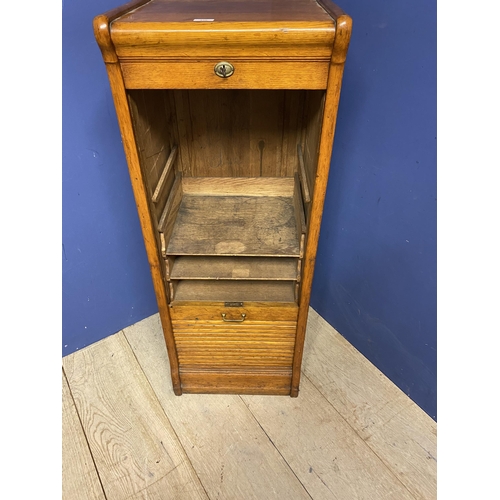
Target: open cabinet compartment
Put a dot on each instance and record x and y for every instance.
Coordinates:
(230, 175)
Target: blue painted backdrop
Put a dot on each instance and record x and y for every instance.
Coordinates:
(376, 269)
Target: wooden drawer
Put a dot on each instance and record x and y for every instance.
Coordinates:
(254, 313)
(278, 74)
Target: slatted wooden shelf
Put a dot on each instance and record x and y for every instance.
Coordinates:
(235, 225)
(235, 268)
(234, 291)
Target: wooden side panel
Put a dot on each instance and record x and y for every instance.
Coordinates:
(154, 132)
(313, 118)
(329, 120)
(146, 216)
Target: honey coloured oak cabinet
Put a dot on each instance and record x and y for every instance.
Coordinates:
(227, 111)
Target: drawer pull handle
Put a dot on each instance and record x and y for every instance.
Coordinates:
(243, 317)
(224, 69)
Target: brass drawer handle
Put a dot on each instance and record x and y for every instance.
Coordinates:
(224, 69)
(243, 317)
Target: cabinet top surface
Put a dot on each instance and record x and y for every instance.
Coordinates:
(237, 11)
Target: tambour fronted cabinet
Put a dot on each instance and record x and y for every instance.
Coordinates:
(227, 111)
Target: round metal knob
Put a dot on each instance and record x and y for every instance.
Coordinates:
(224, 69)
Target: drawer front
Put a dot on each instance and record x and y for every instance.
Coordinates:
(277, 74)
(254, 313)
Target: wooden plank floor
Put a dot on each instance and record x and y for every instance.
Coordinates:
(351, 433)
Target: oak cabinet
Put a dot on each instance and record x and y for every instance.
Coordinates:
(227, 111)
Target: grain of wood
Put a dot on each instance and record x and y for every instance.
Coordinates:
(169, 262)
(231, 133)
(293, 113)
(250, 380)
(272, 329)
(299, 208)
(211, 311)
(229, 451)
(303, 176)
(325, 453)
(166, 170)
(163, 246)
(235, 225)
(275, 74)
(172, 287)
(167, 219)
(217, 344)
(235, 291)
(313, 119)
(238, 186)
(155, 135)
(343, 25)
(401, 434)
(234, 268)
(236, 11)
(139, 186)
(267, 130)
(134, 446)
(80, 480)
(287, 29)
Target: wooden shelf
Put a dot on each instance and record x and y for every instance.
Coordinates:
(234, 268)
(235, 225)
(235, 291)
(220, 216)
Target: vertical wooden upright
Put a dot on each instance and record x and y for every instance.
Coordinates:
(227, 112)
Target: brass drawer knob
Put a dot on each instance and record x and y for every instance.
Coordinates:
(243, 316)
(224, 69)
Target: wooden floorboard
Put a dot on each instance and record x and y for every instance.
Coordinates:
(395, 428)
(326, 454)
(80, 480)
(351, 433)
(231, 454)
(135, 449)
